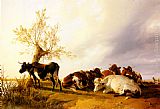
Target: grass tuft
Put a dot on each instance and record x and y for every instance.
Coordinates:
(22, 92)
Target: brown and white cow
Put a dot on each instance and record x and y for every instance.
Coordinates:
(81, 79)
(113, 70)
(128, 72)
(107, 72)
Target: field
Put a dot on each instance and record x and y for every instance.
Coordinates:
(150, 99)
(67, 99)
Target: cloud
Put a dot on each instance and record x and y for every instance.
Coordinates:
(134, 45)
(99, 33)
(120, 39)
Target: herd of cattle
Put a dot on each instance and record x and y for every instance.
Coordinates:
(125, 82)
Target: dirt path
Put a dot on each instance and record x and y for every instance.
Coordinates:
(150, 99)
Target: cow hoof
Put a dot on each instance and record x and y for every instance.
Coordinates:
(73, 89)
(116, 95)
(129, 94)
(128, 97)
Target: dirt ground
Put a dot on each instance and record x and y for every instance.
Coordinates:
(150, 99)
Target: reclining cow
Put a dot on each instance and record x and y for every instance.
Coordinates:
(128, 72)
(81, 79)
(118, 84)
(113, 70)
(42, 70)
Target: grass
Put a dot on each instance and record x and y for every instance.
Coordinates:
(23, 93)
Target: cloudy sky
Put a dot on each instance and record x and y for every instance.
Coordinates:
(98, 32)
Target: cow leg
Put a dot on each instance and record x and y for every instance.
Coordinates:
(60, 84)
(53, 82)
(35, 80)
(38, 82)
(107, 90)
(56, 76)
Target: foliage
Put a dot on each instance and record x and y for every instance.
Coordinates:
(42, 37)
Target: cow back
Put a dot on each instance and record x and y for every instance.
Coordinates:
(107, 72)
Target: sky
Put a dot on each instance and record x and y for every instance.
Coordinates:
(98, 32)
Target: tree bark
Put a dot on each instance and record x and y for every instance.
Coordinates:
(39, 52)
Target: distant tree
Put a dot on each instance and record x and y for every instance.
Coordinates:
(42, 38)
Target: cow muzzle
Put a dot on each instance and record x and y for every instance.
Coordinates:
(21, 71)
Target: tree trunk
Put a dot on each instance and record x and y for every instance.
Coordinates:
(39, 52)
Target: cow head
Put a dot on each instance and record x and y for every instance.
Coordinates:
(129, 68)
(25, 67)
(115, 69)
(98, 84)
(128, 72)
(97, 73)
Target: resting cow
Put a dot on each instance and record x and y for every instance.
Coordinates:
(128, 72)
(107, 72)
(81, 79)
(114, 68)
(118, 84)
(42, 70)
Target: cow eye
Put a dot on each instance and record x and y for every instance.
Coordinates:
(103, 83)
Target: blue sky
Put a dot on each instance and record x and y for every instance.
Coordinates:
(98, 32)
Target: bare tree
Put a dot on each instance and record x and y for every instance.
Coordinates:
(42, 38)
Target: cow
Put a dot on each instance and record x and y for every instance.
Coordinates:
(28, 67)
(156, 80)
(42, 69)
(118, 84)
(81, 79)
(114, 68)
(128, 72)
(107, 72)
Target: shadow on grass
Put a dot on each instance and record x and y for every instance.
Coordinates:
(78, 92)
(151, 91)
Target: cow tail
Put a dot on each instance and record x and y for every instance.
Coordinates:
(56, 75)
(56, 72)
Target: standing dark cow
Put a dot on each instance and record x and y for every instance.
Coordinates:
(42, 70)
(81, 79)
(28, 67)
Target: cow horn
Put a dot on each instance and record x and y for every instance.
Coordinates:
(20, 62)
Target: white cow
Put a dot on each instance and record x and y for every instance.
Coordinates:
(119, 84)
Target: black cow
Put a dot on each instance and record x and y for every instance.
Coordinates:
(42, 70)
(28, 67)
